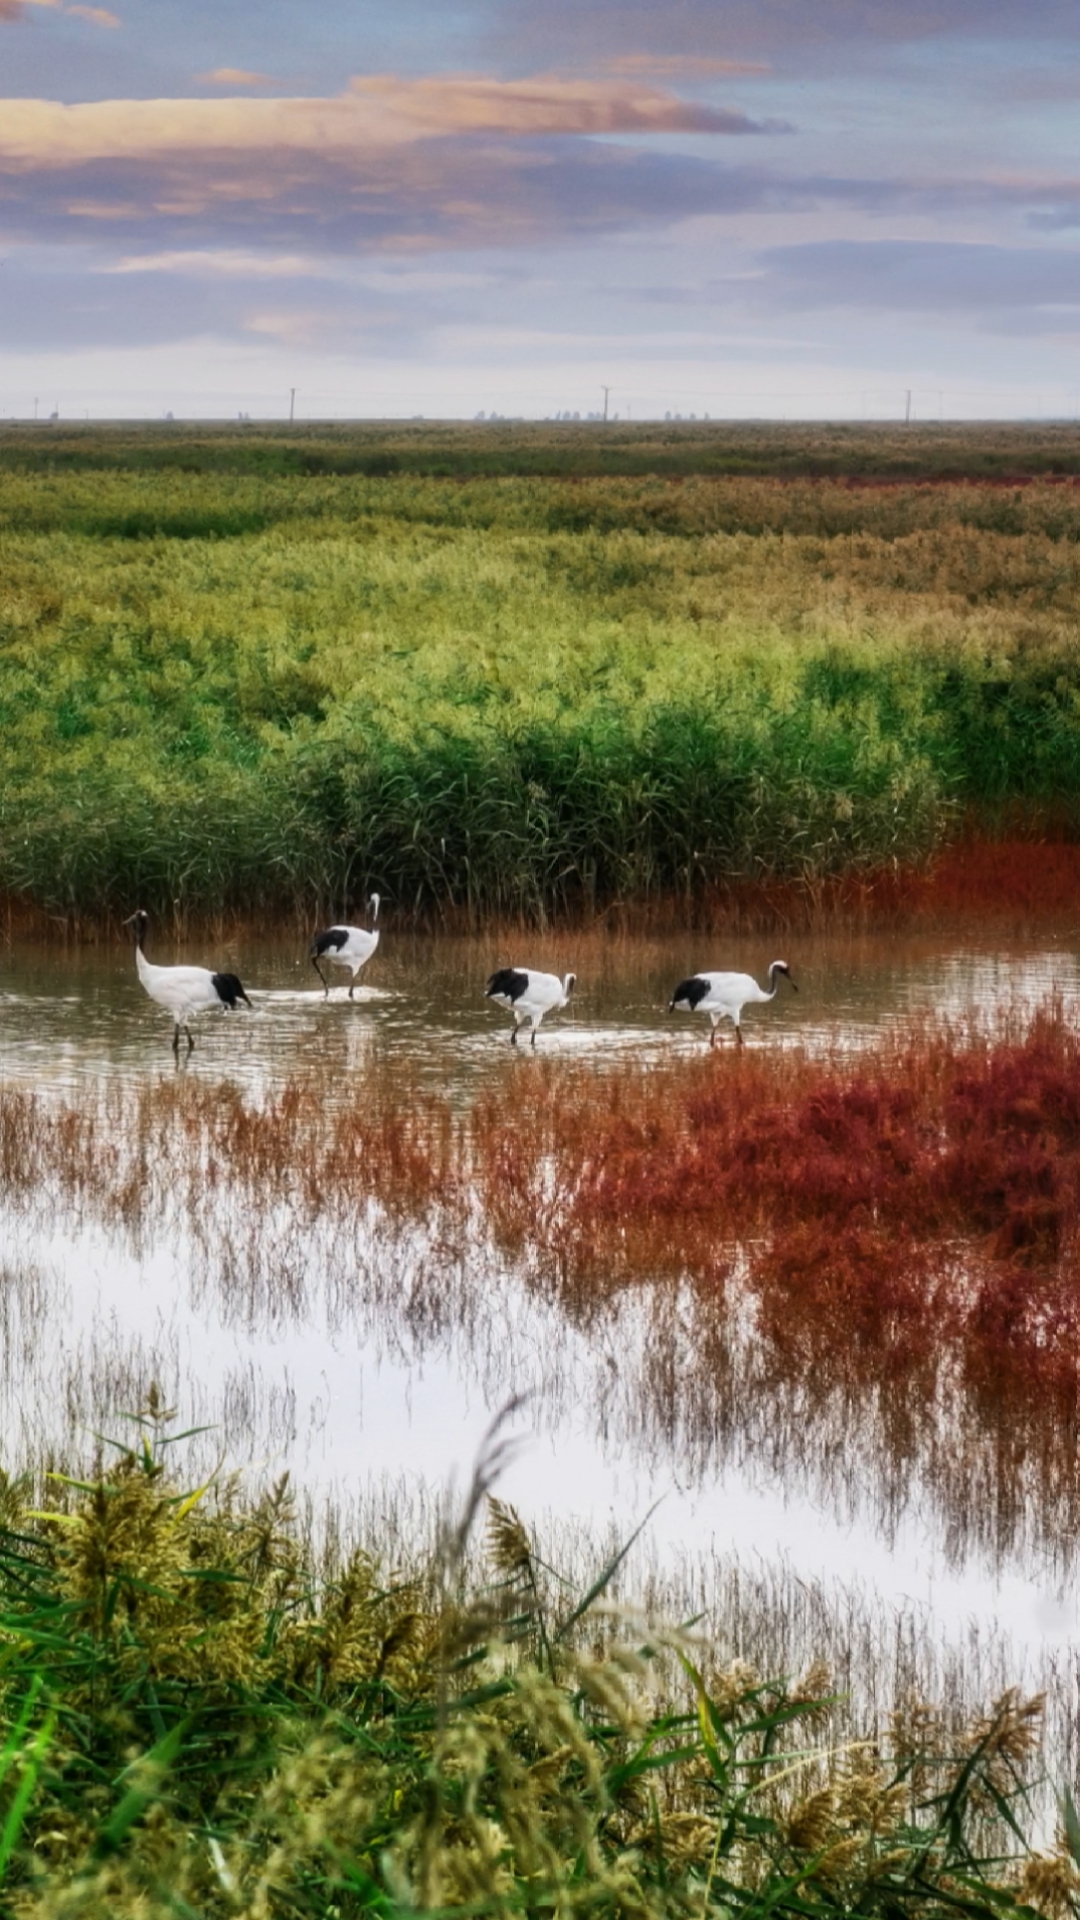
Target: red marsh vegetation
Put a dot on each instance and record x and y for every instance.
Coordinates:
(891, 1210)
(873, 1257)
(891, 1207)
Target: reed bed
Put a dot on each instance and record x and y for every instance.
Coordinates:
(195, 1723)
(235, 688)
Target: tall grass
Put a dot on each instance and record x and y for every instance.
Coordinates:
(222, 689)
(194, 1724)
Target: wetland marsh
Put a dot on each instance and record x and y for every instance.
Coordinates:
(813, 1309)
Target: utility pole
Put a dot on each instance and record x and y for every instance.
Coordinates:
(292, 404)
(35, 409)
(907, 413)
(606, 391)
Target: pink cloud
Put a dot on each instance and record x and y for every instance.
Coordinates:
(547, 104)
(232, 77)
(229, 262)
(97, 16)
(378, 112)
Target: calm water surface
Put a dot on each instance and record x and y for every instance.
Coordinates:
(388, 1375)
(67, 1014)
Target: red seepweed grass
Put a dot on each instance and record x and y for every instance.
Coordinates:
(888, 1212)
(893, 1210)
(877, 1249)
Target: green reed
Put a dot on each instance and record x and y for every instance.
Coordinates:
(227, 688)
(194, 1721)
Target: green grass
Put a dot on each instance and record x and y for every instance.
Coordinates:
(228, 680)
(194, 1721)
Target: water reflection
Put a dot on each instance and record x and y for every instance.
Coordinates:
(134, 1265)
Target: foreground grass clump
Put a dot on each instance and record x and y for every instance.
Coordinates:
(195, 1723)
(255, 682)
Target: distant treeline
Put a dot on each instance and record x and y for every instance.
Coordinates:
(228, 688)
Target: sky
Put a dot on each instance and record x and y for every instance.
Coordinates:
(367, 208)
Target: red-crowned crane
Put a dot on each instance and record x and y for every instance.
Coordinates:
(724, 995)
(528, 995)
(346, 947)
(183, 991)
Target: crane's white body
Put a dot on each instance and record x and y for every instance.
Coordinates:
(184, 991)
(724, 995)
(528, 995)
(350, 947)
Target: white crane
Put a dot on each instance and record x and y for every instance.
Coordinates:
(528, 995)
(183, 991)
(724, 995)
(346, 947)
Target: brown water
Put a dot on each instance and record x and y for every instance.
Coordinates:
(380, 1358)
(69, 1014)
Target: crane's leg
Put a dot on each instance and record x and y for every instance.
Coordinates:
(190, 1041)
(712, 1030)
(352, 984)
(322, 976)
(514, 1035)
(738, 1034)
(176, 1038)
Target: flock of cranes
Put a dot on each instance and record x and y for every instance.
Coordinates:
(526, 993)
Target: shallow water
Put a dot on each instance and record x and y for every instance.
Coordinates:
(384, 1364)
(69, 1014)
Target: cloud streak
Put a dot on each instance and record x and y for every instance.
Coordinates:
(378, 111)
(811, 36)
(97, 16)
(233, 77)
(473, 191)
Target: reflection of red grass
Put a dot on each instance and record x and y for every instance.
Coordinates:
(1014, 881)
(990, 879)
(887, 1215)
(1019, 881)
